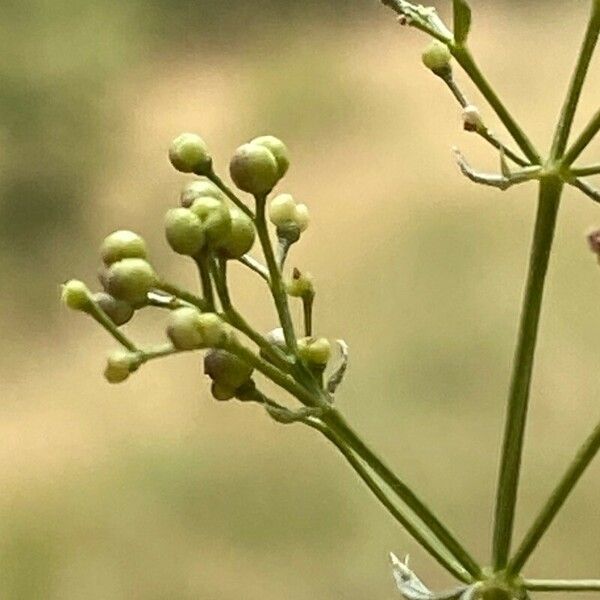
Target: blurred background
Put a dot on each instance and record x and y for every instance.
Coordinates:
(150, 490)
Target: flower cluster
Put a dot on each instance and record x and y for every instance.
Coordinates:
(214, 227)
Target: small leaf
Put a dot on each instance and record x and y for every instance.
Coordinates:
(462, 21)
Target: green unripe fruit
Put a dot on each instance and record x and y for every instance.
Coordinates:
(130, 280)
(221, 392)
(214, 216)
(302, 217)
(240, 238)
(300, 285)
(315, 351)
(118, 311)
(199, 189)
(122, 244)
(226, 369)
(76, 295)
(183, 328)
(213, 330)
(278, 149)
(120, 365)
(254, 169)
(282, 210)
(184, 232)
(437, 57)
(189, 154)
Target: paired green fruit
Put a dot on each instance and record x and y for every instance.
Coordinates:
(130, 280)
(189, 154)
(226, 369)
(122, 244)
(184, 231)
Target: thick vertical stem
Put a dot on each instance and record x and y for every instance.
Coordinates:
(506, 495)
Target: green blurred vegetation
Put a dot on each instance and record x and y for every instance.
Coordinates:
(150, 490)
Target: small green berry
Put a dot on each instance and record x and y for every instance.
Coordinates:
(130, 280)
(302, 217)
(301, 285)
(226, 369)
(222, 393)
(120, 365)
(184, 231)
(315, 351)
(282, 210)
(122, 244)
(254, 169)
(240, 238)
(437, 57)
(183, 328)
(215, 218)
(76, 295)
(118, 311)
(189, 154)
(213, 330)
(278, 149)
(197, 189)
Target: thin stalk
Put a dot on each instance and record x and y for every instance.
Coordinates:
(581, 143)
(565, 123)
(230, 193)
(582, 460)
(516, 417)
(337, 424)
(307, 310)
(276, 281)
(484, 132)
(254, 265)
(415, 529)
(586, 171)
(466, 61)
(235, 319)
(203, 263)
(562, 585)
(96, 312)
(176, 292)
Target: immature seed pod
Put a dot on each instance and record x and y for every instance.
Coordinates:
(282, 210)
(215, 218)
(118, 311)
(226, 369)
(189, 154)
(130, 280)
(302, 217)
(122, 244)
(199, 188)
(315, 351)
(240, 238)
(301, 285)
(119, 365)
(183, 328)
(254, 169)
(76, 295)
(184, 231)
(222, 393)
(213, 330)
(278, 149)
(437, 57)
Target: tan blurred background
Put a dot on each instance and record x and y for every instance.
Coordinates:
(150, 490)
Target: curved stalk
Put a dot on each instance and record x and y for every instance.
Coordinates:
(506, 495)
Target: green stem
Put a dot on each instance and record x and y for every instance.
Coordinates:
(565, 122)
(176, 292)
(230, 193)
(254, 265)
(582, 460)
(562, 585)
(336, 423)
(581, 143)
(465, 60)
(203, 263)
(415, 529)
(276, 281)
(506, 495)
(96, 312)
(586, 171)
(235, 319)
